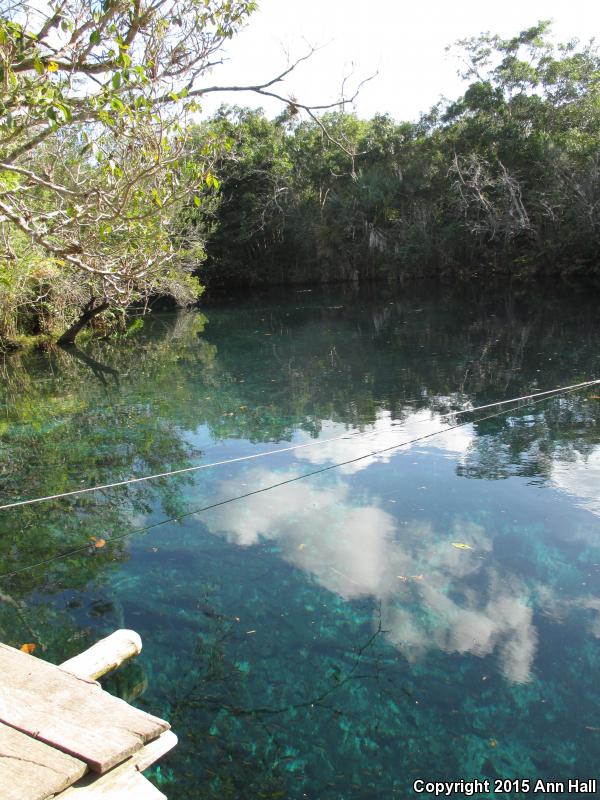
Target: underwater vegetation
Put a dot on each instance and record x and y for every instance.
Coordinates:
(429, 612)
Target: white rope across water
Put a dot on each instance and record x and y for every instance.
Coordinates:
(169, 473)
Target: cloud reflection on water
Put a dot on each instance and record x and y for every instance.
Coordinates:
(579, 477)
(423, 584)
(385, 433)
(432, 595)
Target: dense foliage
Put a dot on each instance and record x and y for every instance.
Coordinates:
(94, 154)
(504, 178)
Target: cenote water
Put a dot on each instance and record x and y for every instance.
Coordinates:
(325, 639)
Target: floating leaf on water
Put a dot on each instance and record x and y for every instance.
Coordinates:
(301, 546)
(29, 647)
(461, 545)
(98, 543)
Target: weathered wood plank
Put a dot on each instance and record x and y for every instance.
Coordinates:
(70, 713)
(114, 784)
(31, 770)
(145, 757)
(105, 655)
(117, 784)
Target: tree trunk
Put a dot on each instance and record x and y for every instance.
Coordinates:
(89, 312)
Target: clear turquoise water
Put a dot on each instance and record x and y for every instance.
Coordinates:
(325, 639)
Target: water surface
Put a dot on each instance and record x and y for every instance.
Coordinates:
(326, 638)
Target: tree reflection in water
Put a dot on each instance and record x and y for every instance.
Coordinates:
(377, 643)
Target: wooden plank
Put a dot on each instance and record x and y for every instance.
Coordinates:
(145, 757)
(117, 784)
(114, 782)
(70, 713)
(31, 770)
(105, 655)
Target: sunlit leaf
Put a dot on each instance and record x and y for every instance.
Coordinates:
(156, 197)
(29, 647)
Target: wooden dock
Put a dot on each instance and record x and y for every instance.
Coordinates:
(62, 736)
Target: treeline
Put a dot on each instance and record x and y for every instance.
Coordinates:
(506, 178)
(110, 200)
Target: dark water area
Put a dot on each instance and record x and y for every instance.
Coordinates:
(430, 612)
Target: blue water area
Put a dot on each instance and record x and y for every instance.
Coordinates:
(429, 609)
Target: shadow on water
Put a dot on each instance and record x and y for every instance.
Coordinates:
(429, 612)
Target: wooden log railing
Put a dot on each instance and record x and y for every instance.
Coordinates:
(105, 655)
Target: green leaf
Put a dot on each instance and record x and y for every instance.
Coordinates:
(116, 80)
(156, 197)
(65, 111)
(95, 37)
(211, 181)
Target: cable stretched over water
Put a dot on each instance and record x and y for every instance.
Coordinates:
(317, 442)
(200, 509)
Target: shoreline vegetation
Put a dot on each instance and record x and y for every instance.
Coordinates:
(505, 180)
